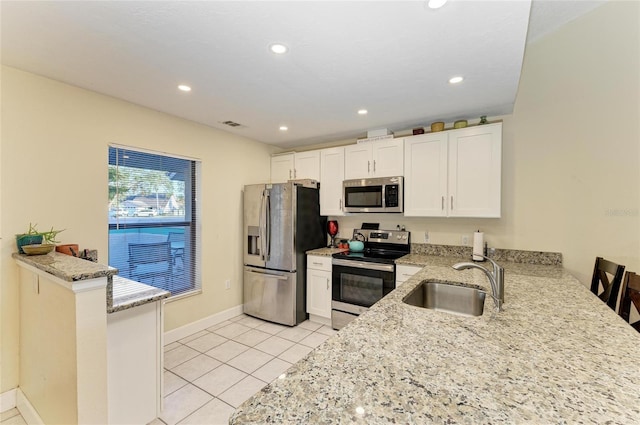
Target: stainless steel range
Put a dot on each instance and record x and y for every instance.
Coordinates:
(360, 279)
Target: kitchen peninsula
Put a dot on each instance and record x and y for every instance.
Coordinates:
(556, 354)
(90, 343)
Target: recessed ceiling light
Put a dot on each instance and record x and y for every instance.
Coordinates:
(284, 128)
(278, 48)
(183, 87)
(456, 80)
(363, 112)
(436, 4)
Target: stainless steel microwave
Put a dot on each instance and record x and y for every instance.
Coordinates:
(383, 194)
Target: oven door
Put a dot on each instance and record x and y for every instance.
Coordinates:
(360, 283)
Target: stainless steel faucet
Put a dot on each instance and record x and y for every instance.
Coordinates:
(496, 279)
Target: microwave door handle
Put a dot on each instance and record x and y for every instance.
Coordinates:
(384, 196)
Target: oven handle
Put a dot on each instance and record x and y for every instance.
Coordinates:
(364, 265)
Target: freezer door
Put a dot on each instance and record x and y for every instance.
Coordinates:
(254, 226)
(280, 229)
(270, 295)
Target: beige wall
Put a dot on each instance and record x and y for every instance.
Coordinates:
(570, 166)
(571, 174)
(54, 173)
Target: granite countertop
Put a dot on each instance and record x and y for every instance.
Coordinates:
(66, 267)
(324, 252)
(128, 294)
(556, 354)
(121, 293)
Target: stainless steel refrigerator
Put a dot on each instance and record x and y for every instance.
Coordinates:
(281, 222)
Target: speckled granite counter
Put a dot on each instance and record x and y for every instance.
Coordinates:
(324, 252)
(556, 354)
(128, 294)
(122, 293)
(67, 267)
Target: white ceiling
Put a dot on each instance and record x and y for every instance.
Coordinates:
(393, 58)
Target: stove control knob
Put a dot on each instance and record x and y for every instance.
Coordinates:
(399, 237)
(404, 237)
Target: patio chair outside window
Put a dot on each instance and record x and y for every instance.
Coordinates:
(151, 261)
(176, 241)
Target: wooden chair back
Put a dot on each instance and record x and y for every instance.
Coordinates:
(630, 296)
(607, 275)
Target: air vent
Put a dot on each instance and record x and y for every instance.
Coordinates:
(231, 123)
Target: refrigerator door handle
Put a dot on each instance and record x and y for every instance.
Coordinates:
(267, 224)
(261, 227)
(275, 276)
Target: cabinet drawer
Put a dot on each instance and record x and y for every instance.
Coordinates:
(319, 262)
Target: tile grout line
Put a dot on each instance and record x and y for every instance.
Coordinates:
(238, 319)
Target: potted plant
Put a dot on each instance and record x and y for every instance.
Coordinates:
(34, 237)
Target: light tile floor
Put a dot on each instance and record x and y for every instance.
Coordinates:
(210, 373)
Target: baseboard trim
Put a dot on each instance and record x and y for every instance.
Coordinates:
(319, 319)
(26, 409)
(8, 400)
(189, 329)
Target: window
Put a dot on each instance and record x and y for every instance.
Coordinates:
(154, 219)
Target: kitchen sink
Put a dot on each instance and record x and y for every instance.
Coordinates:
(448, 297)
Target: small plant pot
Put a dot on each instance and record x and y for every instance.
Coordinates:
(69, 249)
(22, 240)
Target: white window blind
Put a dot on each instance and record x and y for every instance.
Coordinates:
(154, 219)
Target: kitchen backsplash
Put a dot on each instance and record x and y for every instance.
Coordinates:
(512, 255)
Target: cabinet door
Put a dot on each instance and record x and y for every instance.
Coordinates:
(319, 293)
(307, 165)
(475, 164)
(425, 179)
(388, 158)
(282, 168)
(357, 161)
(331, 177)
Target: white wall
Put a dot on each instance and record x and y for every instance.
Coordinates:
(55, 141)
(571, 174)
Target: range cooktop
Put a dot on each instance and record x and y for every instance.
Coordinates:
(380, 246)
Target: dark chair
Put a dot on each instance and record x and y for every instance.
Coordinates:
(610, 286)
(630, 295)
(148, 261)
(176, 240)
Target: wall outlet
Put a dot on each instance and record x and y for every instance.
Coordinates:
(227, 284)
(465, 240)
(426, 236)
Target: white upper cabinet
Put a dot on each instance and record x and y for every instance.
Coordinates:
(425, 181)
(331, 177)
(384, 158)
(299, 165)
(475, 171)
(307, 165)
(282, 167)
(454, 173)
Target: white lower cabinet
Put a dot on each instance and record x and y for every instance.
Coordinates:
(404, 272)
(134, 356)
(319, 289)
